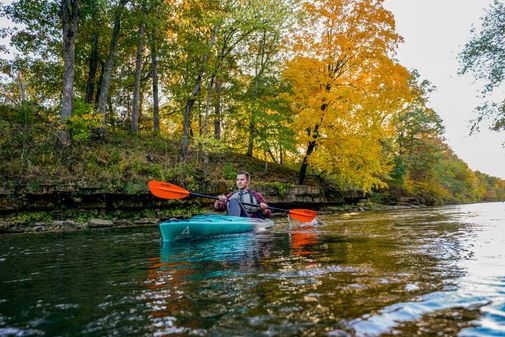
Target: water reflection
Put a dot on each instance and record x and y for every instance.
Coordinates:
(192, 284)
(307, 280)
(472, 302)
(302, 238)
(408, 272)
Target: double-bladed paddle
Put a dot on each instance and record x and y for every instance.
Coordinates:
(170, 191)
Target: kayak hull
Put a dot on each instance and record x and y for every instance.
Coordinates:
(208, 225)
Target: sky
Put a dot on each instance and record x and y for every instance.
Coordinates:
(434, 32)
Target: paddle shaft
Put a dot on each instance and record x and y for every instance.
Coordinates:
(243, 203)
(170, 191)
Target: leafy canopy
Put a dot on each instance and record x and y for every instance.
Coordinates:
(484, 57)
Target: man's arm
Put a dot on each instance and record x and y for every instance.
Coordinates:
(263, 204)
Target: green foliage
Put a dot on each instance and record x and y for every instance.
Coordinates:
(281, 188)
(398, 172)
(83, 216)
(34, 186)
(229, 171)
(5, 127)
(210, 144)
(30, 217)
(135, 187)
(183, 173)
(482, 56)
(274, 134)
(424, 168)
(27, 127)
(25, 113)
(379, 198)
(83, 121)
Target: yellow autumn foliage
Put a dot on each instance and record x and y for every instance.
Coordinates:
(346, 88)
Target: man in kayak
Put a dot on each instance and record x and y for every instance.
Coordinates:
(232, 202)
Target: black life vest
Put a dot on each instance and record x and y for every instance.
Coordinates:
(247, 197)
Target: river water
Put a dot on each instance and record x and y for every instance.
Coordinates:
(426, 272)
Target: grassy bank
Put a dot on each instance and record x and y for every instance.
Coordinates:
(35, 165)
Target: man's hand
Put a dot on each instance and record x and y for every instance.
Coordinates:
(220, 203)
(263, 206)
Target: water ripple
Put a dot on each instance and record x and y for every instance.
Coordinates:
(406, 272)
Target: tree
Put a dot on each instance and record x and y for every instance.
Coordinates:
(419, 134)
(161, 19)
(134, 124)
(107, 72)
(154, 45)
(94, 54)
(37, 36)
(484, 57)
(14, 86)
(245, 46)
(229, 62)
(345, 88)
(194, 93)
(70, 20)
(264, 48)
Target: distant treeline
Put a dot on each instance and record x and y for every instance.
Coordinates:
(312, 85)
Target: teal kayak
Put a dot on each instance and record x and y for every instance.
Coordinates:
(200, 226)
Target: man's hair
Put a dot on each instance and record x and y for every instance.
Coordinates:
(247, 176)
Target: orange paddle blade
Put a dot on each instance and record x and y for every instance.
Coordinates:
(303, 215)
(166, 190)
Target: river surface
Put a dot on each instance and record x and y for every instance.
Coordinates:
(425, 272)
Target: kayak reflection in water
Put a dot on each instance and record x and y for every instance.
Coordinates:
(232, 202)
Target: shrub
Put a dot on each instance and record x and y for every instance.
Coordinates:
(83, 121)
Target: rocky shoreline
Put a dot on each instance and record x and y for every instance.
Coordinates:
(72, 225)
(65, 206)
(68, 225)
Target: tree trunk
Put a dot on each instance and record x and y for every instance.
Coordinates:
(141, 105)
(303, 168)
(196, 90)
(70, 20)
(217, 112)
(312, 144)
(93, 66)
(111, 108)
(252, 122)
(272, 155)
(22, 87)
(310, 149)
(207, 107)
(206, 127)
(93, 59)
(100, 81)
(104, 90)
(138, 69)
(154, 74)
(252, 126)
